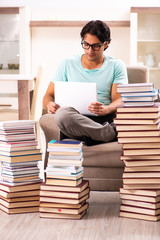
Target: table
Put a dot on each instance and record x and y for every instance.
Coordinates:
(23, 92)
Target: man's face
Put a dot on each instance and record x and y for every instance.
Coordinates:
(90, 53)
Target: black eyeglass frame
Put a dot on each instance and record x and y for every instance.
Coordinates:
(92, 45)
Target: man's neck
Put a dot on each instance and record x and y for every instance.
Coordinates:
(91, 64)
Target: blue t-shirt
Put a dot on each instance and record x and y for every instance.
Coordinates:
(112, 71)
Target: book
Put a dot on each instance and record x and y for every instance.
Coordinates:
(19, 204)
(139, 134)
(142, 169)
(139, 98)
(141, 145)
(141, 192)
(27, 181)
(19, 179)
(18, 144)
(61, 162)
(154, 92)
(65, 143)
(138, 139)
(65, 157)
(21, 158)
(65, 177)
(136, 121)
(17, 137)
(79, 188)
(139, 104)
(143, 157)
(155, 180)
(141, 186)
(138, 152)
(63, 182)
(151, 127)
(139, 216)
(141, 163)
(11, 148)
(67, 169)
(19, 123)
(65, 216)
(19, 209)
(19, 194)
(135, 87)
(62, 205)
(64, 210)
(149, 199)
(61, 194)
(24, 187)
(20, 199)
(72, 153)
(64, 200)
(139, 210)
(141, 175)
(141, 204)
(139, 116)
(154, 108)
(20, 153)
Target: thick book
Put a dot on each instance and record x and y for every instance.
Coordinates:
(139, 104)
(149, 199)
(65, 143)
(141, 145)
(57, 176)
(77, 189)
(141, 204)
(141, 175)
(141, 163)
(8, 149)
(138, 116)
(62, 153)
(135, 87)
(154, 92)
(139, 134)
(19, 123)
(141, 186)
(138, 139)
(142, 169)
(144, 181)
(136, 121)
(19, 209)
(64, 170)
(132, 209)
(151, 127)
(20, 199)
(22, 182)
(143, 157)
(17, 145)
(64, 200)
(19, 179)
(21, 158)
(139, 216)
(19, 194)
(154, 108)
(24, 187)
(141, 192)
(62, 205)
(62, 216)
(20, 152)
(64, 194)
(128, 152)
(19, 204)
(64, 182)
(64, 210)
(17, 137)
(61, 162)
(139, 98)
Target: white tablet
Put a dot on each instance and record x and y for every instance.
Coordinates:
(76, 94)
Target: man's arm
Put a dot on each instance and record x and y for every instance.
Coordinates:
(48, 100)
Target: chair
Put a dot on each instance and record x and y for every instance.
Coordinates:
(102, 165)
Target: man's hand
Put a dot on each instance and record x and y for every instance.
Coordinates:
(52, 107)
(98, 108)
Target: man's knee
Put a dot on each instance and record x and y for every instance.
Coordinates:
(63, 116)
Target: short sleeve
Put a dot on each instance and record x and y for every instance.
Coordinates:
(60, 74)
(120, 73)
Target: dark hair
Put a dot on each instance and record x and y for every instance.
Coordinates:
(98, 29)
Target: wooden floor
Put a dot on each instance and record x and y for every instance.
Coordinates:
(102, 222)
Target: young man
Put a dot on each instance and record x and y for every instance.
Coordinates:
(92, 66)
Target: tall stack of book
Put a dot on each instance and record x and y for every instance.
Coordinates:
(19, 158)
(64, 193)
(138, 132)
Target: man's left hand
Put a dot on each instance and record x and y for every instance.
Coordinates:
(97, 108)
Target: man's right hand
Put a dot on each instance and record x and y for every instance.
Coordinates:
(52, 107)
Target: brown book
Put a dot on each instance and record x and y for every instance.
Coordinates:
(79, 188)
(25, 158)
(142, 169)
(19, 204)
(139, 216)
(65, 216)
(64, 210)
(141, 186)
(132, 209)
(136, 121)
(139, 163)
(143, 157)
(20, 199)
(19, 209)
(131, 152)
(141, 204)
(64, 182)
(139, 134)
(25, 187)
(19, 194)
(65, 194)
(141, 180)
(61, 205)
(135, 115)
(154, 108)
(20, 153)
(141, 192)
(151, 127)
(138, 139)
(64, 200)
(149, 199)
(19, 179)
(137, 175)
(141, 145)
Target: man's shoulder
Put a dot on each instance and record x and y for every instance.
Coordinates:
(71, 59)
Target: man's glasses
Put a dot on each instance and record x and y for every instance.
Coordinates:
(95, 46)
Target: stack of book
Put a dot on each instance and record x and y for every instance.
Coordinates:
(138, 132)
(19, 159)
(140, 94)
(64, 193)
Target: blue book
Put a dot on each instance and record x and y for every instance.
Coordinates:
(65, 143)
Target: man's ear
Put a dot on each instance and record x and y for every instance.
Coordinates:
(106, 45)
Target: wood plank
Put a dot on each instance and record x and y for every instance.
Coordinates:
(23, 99)
(9, 10)
(42, 23)
(145, 9)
